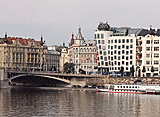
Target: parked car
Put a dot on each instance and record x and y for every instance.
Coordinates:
(76, 86)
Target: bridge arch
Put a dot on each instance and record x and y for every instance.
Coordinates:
(38, 80)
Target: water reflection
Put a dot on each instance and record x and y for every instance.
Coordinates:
(37, 102)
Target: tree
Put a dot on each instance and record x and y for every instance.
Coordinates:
(81, 71)
(69, 67)
(121, 70)
(152, 70)
(143, 70)
(132, 70)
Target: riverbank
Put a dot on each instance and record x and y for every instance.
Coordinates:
(57, 88)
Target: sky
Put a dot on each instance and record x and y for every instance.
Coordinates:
(56, 20)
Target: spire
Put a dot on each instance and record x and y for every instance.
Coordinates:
(5, 40)
(79, 35)
(41, 40)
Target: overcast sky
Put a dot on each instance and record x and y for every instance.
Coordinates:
(56, 20)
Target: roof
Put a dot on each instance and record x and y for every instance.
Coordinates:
(143, 32)
(79, 35)
(22, 41)
(134, 31)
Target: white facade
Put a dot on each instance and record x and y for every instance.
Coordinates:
(128, 47)
(115, 51)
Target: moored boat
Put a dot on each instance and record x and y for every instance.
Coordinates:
(136, 89)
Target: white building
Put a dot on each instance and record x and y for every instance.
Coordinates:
(128, 47)
(82, 53)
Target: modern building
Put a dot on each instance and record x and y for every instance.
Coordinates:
(82, 53)
(127, 47)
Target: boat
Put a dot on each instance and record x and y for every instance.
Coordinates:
(126, 88)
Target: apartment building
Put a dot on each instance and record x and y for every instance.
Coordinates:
(82, 53)
(21, 54)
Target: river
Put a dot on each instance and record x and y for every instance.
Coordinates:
(34, 102)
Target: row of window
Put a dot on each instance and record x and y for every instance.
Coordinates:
(121, 41)
(98, 36)
(156, 62)
(115, 47)
(150, 41)
(87, 61)
(114, 63)
(114, 58)
(150, 48)
(115, 52)
(156, 55)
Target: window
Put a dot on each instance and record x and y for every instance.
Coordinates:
(122, 57)
(147, 41)
(119, 58)
(108, 46)
(115, 41)
(99, 42)
(147, 55)
(81, 61)
(123, 51)
(119, 41)
(99, 46)
(102, 36)
(100, 52)
(131, 40)
(147, 62)
(101, 57)
(98, 36)
(111, 41)
(104, 52)
(122, 62)
(147, 48)
(156, 41)
(130, 62)
(127, 47)
(115, 46)
(123, 46)
(111, 47)
(126, 68)
(131, 51)
(155, 68)
(156, 48)
(126, 57)
(127, 52)
(119, 52)
(127, 40)
(156, 55)
(111, 52)
(102, 41)
(115, 52)
(156, 62)
(131, 46)
(95, 36)
(123, 40)
(102, 63)
(111, 58)
(119, 47)
(98, 63)
(115, 62)
(108, 41)
(105, 58)
(119, 63)
(108, 52)
(130, 57)
(126, 63)
(103, 47)
(115, 57)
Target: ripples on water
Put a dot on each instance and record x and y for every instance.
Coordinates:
(36, 102)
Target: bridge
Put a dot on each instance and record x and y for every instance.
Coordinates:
(67, 80)
(52, 79)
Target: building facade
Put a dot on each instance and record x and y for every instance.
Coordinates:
(21, 54)
(127, 47)
(82, 53)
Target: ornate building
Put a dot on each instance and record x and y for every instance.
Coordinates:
(82, 53)
(21, 54)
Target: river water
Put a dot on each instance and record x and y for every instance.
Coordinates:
(26, 102)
